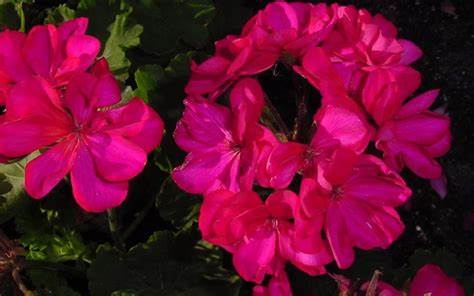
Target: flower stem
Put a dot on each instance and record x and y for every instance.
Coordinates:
(21, 15)
(275, 117)
(114, 228)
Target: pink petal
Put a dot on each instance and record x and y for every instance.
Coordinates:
(208, 76)
(83, 47)
(138, 123)
(284, 162)
(106, 91)
(379, 191)
(116, 159)
(370, 227)
(419, 162)
(440, 186)
(336, 233)
(42, 41)
(278, 286)
(12, 63)
(254, 257)
(36, 97)
(440, 147)
(202, 126)
(23, 136)
(423, 129)
(344, 125)
(418, 104)
(211, 167)
(91, 192)
(411, 52)
(44, 172)
(431, 280)
(78, 98)
(246, 99)
(77, 26)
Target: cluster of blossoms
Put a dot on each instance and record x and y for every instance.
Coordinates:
(60, 99)
(346, 198)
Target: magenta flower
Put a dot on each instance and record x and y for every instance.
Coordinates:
(291, 28)
(234, 57)
(431, 280)
(54, 53)
(223, 144)
(361, 45)
(337, 127)
(101, 146)
(354, 197)
(260, 235)
(277, 286)
(415, 136)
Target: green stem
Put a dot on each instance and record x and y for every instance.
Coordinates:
(114, 228)
(275, 117)
(21, 15)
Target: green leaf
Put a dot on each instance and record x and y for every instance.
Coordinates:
(167, 23)
(48, 235)
(59, 14)
(146, 78)
(167, 264)
(50, 283)
(117, 33)
(12, 194)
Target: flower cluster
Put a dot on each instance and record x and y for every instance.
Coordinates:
(60, 99)
(347, 198)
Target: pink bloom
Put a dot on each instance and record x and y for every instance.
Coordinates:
(291, 27)
(223, 144)
(414, 136)
(101, 146)
(354, 198)
(234, 57)
(54, 53)
(361, 44)
(260, 235)
(383, 289)
(278, 286)
(431, 280)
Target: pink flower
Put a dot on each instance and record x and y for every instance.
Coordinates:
(383, 289)
(102, 146)
(290, 27)
(278, 286)
(337, 127)
(354, 198)
(361, 44)
(223, 144)
(431, 280)
(414, 136)
(260, 235)
(54, 53)
(234, 57)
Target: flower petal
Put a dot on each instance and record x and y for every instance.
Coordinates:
(91, 192)
(44, 172)
(115, 158)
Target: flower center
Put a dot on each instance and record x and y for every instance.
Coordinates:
(337, 193)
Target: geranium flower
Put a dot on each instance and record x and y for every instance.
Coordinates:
(431, 280)
(361, 45)
(337, 127)
(102, 146)
(234, 57)
(354, 197)
(290, 28)
(54, 53)
(260, 235)
(223, 144)
(277, 286)
(414, 136)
